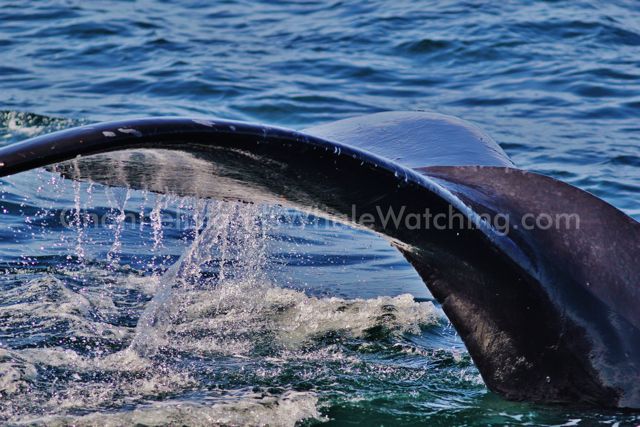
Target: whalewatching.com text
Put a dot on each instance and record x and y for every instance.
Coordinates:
(380, 218)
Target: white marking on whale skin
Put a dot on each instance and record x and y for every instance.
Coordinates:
(108, 134)
(233, 128)
(130, 131)
(1, 164)
(204, 122)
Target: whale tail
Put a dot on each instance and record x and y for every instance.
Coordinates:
(538, 277)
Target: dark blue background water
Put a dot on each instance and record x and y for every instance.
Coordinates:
(557, 84)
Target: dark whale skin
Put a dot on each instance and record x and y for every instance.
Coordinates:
(547, 315)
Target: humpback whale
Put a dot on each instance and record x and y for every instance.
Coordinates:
(548, 313)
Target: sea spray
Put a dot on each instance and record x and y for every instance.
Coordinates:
(113, 256)
(156, 226)
(229, 235)
(77, 222)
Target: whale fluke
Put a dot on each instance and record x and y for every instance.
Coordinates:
(548, 314)
(416, 139)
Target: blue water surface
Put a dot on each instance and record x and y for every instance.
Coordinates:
(557, 84)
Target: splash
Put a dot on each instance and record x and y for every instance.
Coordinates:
(226, 235)
(207, 336)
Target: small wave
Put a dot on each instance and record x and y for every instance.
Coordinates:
(15, 125)
(15, 374)
(53, 312)
(425, 46)
(59, 381)
(624, 160)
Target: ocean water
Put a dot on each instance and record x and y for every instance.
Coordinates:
(120, 307)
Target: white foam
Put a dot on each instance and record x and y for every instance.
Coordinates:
(254, 409)
(227, 319)
(26, 125)
(47, 301)
(15, 374)
(16, 123)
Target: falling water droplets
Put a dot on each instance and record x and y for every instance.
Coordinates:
(77, 222)
(120, 218)
(228, 238)
(156, 225)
